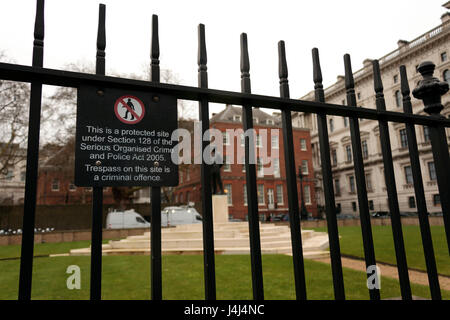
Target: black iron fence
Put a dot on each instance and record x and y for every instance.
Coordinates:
(429, 90)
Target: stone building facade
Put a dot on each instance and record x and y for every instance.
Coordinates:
(433, 45)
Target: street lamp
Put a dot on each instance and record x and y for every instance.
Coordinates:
(303, 211)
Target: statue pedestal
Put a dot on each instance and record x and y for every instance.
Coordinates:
(220, 208)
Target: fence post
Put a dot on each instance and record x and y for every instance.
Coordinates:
(363, 202)
(97, 194)
(385, 142)
(419, 192)
(34, 124)
(330, 204)
(155, 231)
(208, 224)
(430, 90)
(294, 219)
(250, 175)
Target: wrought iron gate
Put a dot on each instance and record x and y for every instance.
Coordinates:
(429, 90)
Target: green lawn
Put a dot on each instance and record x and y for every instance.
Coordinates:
(351, 244)
(128, 277)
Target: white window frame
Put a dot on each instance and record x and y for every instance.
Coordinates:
(279, 195)
(258, 141)
(226, 138)
(303, 145)
(307, 195)
(276, 167)
(305, 170)
(275, 142)
(270, 196)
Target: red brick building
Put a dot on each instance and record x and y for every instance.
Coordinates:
(55, 179)
(271, 177)
(56, 188)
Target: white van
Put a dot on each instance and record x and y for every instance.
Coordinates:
(173, 216)
(125, 220)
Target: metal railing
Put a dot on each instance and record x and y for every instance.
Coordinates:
(430, 90)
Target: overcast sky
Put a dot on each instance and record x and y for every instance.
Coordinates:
(364, 29)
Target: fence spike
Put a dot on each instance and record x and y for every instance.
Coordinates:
(202, 57)
(377, 83)
(101, 40)
(317, 72)
(349, 81)
(282, 64)
(154, 51)
(283, 70)
(404, 83)
(317, 77)
(245, 65)
(38, 50)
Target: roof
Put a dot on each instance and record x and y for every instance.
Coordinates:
(233, 114)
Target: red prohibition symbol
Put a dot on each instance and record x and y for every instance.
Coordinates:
(129, 109)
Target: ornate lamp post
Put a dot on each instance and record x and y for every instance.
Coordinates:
(303, 211)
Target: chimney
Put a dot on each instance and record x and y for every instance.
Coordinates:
(445, 18)
(401, 43)
(340, 78)
(367, 62)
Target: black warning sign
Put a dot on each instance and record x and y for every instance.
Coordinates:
(123, 138)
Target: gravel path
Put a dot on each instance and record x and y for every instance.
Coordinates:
(418, 277)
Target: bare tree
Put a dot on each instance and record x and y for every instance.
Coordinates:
(60, 107)
(186, 109)
(14, 106)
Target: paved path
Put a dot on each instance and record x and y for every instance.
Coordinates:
(418, 277)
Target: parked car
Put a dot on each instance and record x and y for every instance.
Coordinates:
(378, 214)
(408, 214)
(343, 216)
(281, 217)
(173, 216)
(125, 220)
